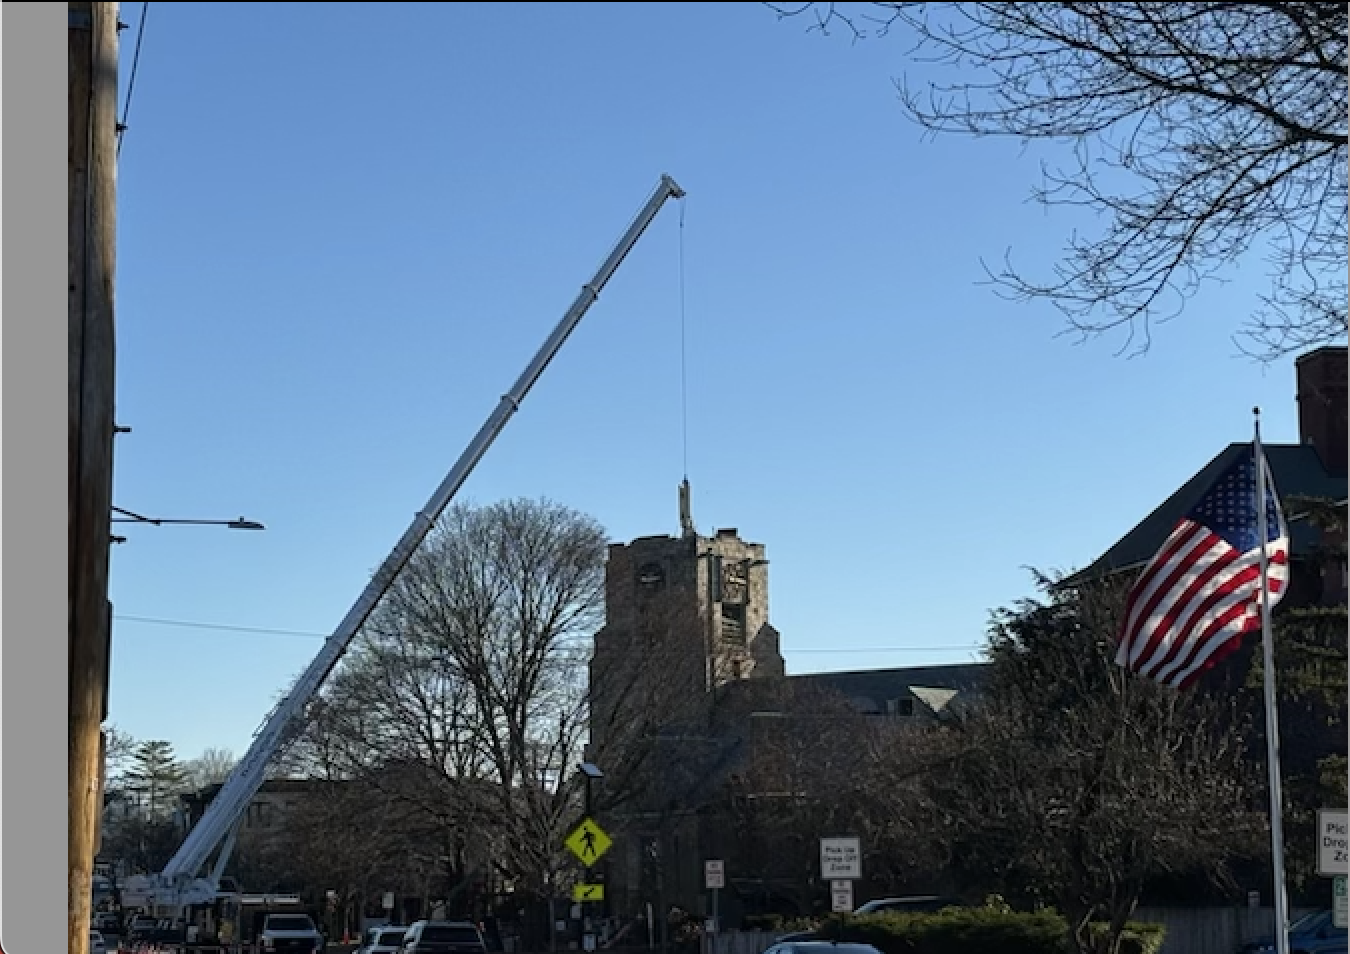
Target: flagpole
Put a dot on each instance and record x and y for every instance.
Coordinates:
(1272, 714)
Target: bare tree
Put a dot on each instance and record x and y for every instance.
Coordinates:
(212, 767)
(465, 695)
(1200, 131)
(359, 841)
(120, 755)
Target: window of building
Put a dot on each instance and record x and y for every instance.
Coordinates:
(259, 815)
(901, 707)
(733, 623)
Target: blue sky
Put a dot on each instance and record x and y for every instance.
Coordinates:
(342, 236)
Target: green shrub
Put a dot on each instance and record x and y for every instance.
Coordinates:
(989, 930)
(1139, 937)
(763, 922)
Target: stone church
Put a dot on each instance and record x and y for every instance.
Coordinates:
(685, 668)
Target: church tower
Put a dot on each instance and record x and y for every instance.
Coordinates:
(684, 616)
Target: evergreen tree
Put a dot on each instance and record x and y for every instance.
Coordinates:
(156, 777)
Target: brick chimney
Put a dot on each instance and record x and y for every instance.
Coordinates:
(1322, 405)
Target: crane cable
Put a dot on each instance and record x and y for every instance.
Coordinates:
(684, 383)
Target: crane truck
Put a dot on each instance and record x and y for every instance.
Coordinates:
(185, 880)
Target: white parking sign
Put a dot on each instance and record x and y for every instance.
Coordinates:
(840, 859)
(1332, 843)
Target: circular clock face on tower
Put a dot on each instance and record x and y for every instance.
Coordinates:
(650, 576)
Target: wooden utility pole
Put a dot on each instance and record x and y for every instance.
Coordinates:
(92, 143)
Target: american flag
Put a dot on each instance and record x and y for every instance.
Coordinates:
(1202, 590)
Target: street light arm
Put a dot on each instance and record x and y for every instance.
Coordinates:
(240, 523)
(130, 517)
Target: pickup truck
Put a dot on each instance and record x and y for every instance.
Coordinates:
(290, 934)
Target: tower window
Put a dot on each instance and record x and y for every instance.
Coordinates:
(734, 588)
(733, 623)
(650, 576)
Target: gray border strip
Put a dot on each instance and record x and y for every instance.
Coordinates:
(32, 399)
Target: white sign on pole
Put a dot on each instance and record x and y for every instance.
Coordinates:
(1333, 846)
(1339, 907)
(841, 896)
(714, 874)
(840, 859)
(388, 901)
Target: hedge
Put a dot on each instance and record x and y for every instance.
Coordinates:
(987, 930)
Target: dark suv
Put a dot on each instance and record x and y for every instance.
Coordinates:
(443, 937)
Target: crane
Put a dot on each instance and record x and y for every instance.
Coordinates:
(182, 882)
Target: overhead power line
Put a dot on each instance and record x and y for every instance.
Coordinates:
(131, 83)
(269, 631)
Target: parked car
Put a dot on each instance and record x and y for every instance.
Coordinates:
(918, 904)
(1311, 934)
(143, 928)
(96, 943)
(107, 922)
(821, 947)
(289, 934)
(385, 939)
(443, 937)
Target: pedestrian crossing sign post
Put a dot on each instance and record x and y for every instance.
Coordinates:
(588, 842)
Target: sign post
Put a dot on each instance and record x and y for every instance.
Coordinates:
(841, 896)
(589, 842)
(714, 879)
(1339, 906)
(841, 865)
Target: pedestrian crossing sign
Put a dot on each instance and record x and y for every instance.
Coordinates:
(588, 842)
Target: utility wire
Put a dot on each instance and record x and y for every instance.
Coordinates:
(131, 81)
(190, 624)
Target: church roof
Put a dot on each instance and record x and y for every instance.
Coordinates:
(934, 686)
(1296, 469)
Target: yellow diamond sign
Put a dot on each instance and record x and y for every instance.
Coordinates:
(588, 892)
(588, 842)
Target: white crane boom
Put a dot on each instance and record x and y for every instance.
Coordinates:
(179, 882)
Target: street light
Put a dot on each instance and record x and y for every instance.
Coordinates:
(592, 773)
(127, 516)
